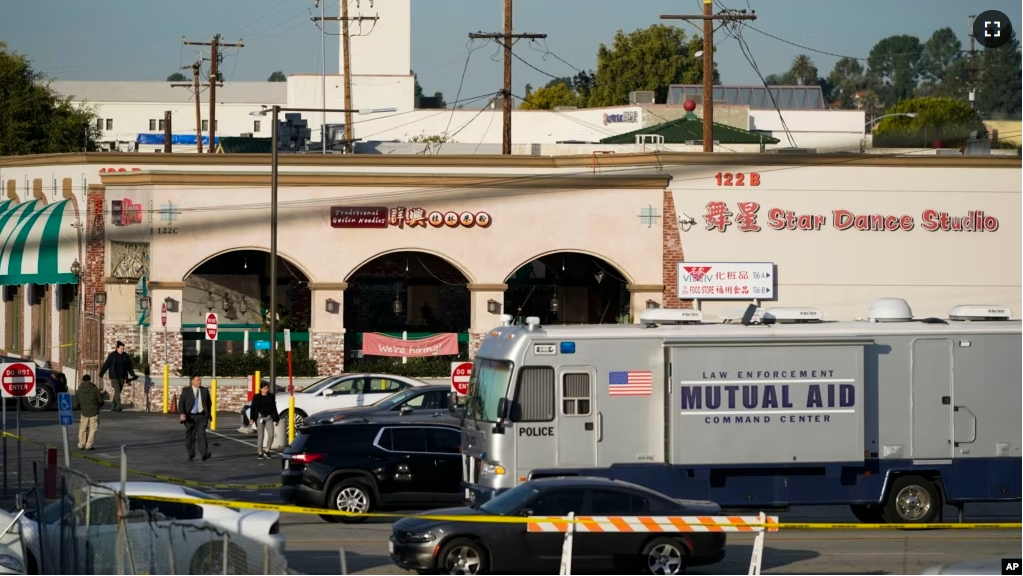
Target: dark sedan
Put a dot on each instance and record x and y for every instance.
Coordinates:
(467, 547)
(421, 402)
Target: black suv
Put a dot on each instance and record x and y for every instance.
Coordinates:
(365, 466)
(49, 383)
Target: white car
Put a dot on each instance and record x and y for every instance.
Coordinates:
(345, 391)
(197, 549)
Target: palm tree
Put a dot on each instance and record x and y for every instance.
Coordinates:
(803, 71)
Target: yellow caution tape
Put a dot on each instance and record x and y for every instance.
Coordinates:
(160, 477)
(537, 519)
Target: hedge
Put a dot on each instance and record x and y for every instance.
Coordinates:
(247, 364)
(434, 367)
(946, 120)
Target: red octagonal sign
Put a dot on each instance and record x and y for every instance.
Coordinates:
(212, 327)
(18, 380)
(460, 372)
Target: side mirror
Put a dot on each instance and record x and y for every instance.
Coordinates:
(526, 512)
(19, 501)
(328, 392)
(452, 401)
(502, 409)
(406, 409)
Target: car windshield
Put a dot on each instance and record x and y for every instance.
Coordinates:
(510, 501)
(316, 386)
(488, 383)
(396, 398)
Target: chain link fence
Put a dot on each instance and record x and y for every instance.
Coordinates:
(92, 528)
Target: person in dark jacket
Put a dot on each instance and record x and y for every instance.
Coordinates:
(89, 400)
(263, 412)
(194, 405)
(118, 363)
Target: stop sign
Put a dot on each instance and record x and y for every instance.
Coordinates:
(460, 372)
(18, 379)
(163, 315)
(211, 326)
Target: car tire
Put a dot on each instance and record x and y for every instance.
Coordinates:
(44, 400)
(300, 417)
(663, 556)
(912, 500)
(868, 513)
(350, 495)
(462, 556)
(209, 559)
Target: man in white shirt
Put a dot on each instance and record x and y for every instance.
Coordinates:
(194, 407)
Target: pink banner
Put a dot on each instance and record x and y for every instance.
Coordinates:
(376, 344)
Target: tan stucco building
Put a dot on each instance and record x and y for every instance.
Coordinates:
(626, 218)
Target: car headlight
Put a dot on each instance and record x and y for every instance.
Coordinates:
(418, 537)
(336, 418)
(491, 470)
(11, 563)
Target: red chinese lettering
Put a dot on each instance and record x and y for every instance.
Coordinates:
(743, 275)
(416, 217)
(396, 217)
(747, 218)
(718, 216)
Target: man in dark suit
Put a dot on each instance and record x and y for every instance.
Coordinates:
(194, 407)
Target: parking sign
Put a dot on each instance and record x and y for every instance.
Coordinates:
(67, 417)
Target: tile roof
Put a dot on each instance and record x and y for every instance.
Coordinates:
(690, 128)
(230, 93)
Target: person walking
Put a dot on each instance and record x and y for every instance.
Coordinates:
(264, 412)
(89, 400)
(194, 406)
(118, 364)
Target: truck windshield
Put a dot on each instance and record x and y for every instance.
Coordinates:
(488, 383)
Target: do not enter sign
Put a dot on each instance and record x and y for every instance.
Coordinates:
(18, 379)
(211, 326)
(460, 372)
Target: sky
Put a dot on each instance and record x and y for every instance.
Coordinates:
(141, 40)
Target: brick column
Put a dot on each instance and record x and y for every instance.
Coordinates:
(672, 254)
(327, 328)
(94, 267)
(482, 320)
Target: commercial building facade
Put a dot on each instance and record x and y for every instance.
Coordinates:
(419, 244)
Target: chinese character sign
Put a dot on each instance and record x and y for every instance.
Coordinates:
(405, 218)
(725, 280)
(750, 218)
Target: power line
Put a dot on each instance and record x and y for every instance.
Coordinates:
(470, 47)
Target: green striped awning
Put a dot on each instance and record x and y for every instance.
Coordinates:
(38, 243)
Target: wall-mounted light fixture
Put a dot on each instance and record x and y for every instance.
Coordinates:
(650, 304)
(554, 304)
(397, 306)
(144, 302)
(333, 306)
(99, 298)
(172, 304)
(227, 302)
(493, 307)
(210, 302)
(243, 306)
(76, 269)
(599, 276)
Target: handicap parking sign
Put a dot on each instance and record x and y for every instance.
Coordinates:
(64, 405)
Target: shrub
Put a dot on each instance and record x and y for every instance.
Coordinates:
(433, 367)
(945, 119)
(245, 364)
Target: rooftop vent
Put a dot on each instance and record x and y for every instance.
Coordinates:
(533, 323)
(655, 316)
(889, 310)
(791, 315)
(967, 312)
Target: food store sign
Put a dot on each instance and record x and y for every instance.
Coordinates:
(752, 217)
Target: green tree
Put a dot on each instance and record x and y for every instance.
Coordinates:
(803, 71)
(999, 88)
(549, 97)
(177, 77)
(419, 90)
(942, 67)
(945, 119)
(894, 65)
(36, 120)
(648, 59)
(778, 80)
(847, 78)
(277, 76)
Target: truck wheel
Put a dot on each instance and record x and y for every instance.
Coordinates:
(868, 513)
(912, 500)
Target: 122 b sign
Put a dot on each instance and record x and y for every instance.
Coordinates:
(17, 379)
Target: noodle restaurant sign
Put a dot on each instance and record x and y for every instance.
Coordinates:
(752, 217)
(404, 217)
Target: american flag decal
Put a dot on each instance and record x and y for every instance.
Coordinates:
(630, 383)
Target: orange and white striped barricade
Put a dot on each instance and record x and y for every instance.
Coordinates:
(668, 524)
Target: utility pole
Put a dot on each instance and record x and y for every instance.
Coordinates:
(708, 18)
(196, 90)
(168, 133)
(973, 62)
(215, 47)
(506, 39)
(346, 67)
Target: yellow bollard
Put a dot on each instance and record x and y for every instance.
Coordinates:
(291, 418)
(256, 384)
(213, 400)
(166, 388)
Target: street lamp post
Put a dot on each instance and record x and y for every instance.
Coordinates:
(275, 158)
(871, 123)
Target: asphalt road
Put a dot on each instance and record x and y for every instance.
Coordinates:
(155, 444)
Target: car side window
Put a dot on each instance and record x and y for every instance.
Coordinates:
(436, 400)
(408, 440)
(384, 441)
(384, 385)
(415, 401)
(443, 441)
(349, 386)
(557, 503)
(615, 503)
(166, 510)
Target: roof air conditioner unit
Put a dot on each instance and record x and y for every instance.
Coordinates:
(967, 312)
(889, 310)
(642, 97)
(791, 315)
(656, 316)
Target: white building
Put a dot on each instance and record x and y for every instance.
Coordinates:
(381, 78)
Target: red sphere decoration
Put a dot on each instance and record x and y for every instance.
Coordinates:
(689, 105)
